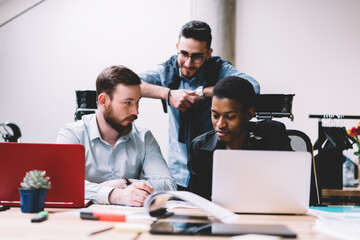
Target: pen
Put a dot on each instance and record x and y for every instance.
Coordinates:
(103, 216)
(127, 181)
(42, 216)
(100, 231)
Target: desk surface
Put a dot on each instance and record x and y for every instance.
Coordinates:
(17, 225)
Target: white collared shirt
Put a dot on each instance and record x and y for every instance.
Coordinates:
(136, 156)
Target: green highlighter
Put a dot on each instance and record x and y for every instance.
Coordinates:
(42, 216)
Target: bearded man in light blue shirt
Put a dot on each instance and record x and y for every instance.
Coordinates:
(124, 163)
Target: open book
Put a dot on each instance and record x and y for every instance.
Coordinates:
(155, 205)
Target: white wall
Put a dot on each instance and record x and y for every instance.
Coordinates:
(60, 46)
(307, 47)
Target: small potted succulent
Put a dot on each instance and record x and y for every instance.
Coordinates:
(33, 191)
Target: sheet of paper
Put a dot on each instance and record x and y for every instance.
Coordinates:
(338, 221)
(346, 230)
(171, 204)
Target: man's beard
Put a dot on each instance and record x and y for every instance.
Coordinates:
(115, 124)
(186, 75)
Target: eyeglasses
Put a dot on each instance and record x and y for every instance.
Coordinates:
(195, 58)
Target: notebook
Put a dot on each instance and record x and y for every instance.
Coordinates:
(64, 164)
(274, 182)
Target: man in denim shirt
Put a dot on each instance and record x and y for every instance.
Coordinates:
(185, 83)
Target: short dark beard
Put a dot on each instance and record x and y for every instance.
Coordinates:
(111, 120)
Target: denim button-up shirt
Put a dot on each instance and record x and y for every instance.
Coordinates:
(177, 151)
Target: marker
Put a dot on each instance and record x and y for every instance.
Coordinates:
(103, 216)
(42, 216)
(4, 208)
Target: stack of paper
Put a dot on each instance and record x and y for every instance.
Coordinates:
(340, 221)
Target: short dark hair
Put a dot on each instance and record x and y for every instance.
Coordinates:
(197, 30)
(237, 88)
(114, 75)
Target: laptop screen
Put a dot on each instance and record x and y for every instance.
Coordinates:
(262, 181)
(63, 163)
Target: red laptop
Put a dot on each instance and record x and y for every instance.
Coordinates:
(64, 164)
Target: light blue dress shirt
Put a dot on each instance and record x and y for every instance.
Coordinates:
(136, 156)
(177, 151)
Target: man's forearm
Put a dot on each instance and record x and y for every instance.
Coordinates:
(97, 192)
(154, 91)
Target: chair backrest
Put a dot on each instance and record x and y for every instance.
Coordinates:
(85, 103)
(269, 106)
(300, 142)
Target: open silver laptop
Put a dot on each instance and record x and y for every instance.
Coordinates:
(262, 181)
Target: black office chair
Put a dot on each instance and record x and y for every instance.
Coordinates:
(11, 132)
(86, 103)
(300, 142)
(268, 106)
